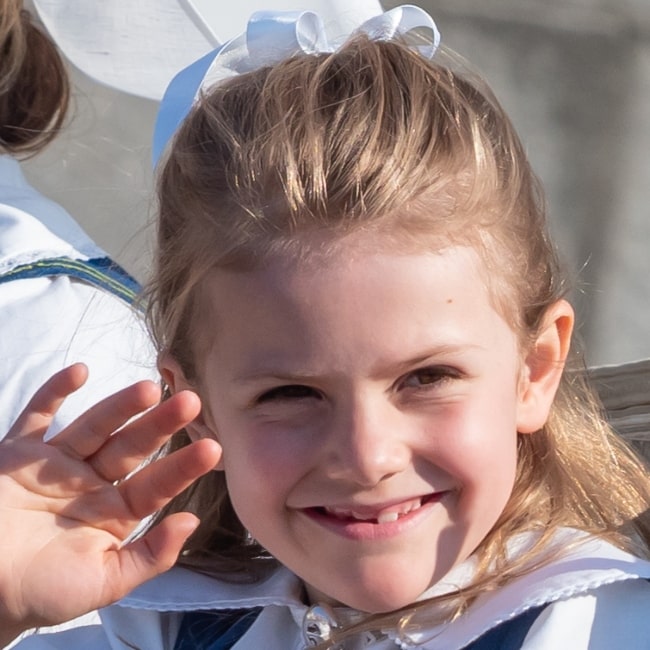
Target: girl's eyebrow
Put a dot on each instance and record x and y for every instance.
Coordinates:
(276, 375)
(301, 373)
(438, 355)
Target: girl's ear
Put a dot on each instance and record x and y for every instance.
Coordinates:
(543, 367)
(174, 377)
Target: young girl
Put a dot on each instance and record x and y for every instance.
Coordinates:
(354, 275)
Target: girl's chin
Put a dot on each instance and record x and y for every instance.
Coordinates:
(369, 601)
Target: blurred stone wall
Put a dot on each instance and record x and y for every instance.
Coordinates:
(99, 169)
(575, 77)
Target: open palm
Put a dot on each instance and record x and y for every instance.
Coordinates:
(69, 505)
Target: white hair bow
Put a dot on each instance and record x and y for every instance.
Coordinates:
(269, 38)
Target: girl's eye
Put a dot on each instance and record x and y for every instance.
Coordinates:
(289, 392)
(430, 377)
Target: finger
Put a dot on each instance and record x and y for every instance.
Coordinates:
(134, 443)
(151, 554)
(37, 416)
(157, 483)
(91, 430)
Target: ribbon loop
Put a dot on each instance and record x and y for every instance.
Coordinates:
(399, 22)
(273, 36)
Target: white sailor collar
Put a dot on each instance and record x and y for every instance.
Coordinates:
(583, 565)
(181, 590)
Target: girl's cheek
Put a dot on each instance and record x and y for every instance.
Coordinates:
(267, 446)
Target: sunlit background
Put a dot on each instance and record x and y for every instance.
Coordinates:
(575, 77)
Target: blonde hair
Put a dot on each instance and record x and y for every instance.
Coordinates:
(375, 136)
(34, 85)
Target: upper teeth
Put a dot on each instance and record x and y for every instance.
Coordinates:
(382, 516)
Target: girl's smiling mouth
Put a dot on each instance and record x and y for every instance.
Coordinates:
(373, 522)
(383, 516)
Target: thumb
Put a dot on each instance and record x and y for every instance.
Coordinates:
(152, 554)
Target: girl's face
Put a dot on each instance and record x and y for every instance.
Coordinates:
(368, 408)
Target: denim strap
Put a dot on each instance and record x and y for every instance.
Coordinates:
(101, 272)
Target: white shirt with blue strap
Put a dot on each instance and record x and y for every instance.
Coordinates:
(61, 301)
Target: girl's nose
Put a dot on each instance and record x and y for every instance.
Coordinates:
(368, 443)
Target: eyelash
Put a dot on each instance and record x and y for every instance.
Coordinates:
(288, 392)
(437, 376)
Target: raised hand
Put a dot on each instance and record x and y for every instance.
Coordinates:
(68, 505)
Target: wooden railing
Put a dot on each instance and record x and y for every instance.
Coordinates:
(625, 392)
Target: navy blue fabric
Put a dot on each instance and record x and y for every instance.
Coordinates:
(101, 272)
(218, 630)
(509, 635)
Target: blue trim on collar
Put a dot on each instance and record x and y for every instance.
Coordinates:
(101, 272)
(509, 635)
